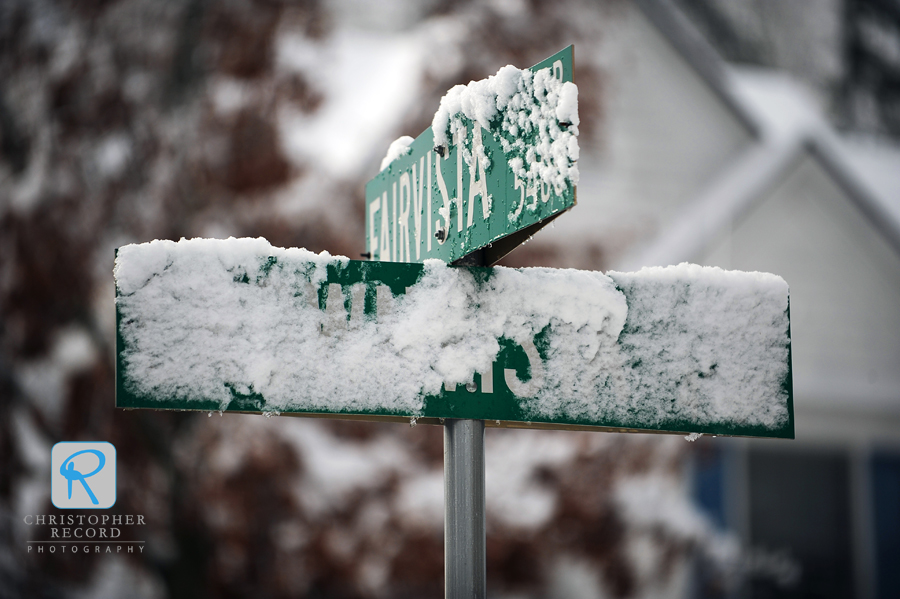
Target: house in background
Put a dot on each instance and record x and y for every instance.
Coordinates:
(705, 162)
(150, 122)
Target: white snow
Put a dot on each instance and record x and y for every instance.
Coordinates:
(420, 499)
(573, 578)
(335, 469)
(729, 361)
(535, 117)
(399, 147)
(649, 501)
(653, 502)
(781, 105)
(199, 332)
(117, 576)
(204, 318)
(368, 80)
(34, 448)
(229, 95)
(514, 497)
(112, 155)
(877, 161)
(567, 108)
(45, 380)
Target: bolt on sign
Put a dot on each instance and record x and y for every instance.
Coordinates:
(497, 164)
(238, 325)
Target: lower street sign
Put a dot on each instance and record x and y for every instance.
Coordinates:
(239, 325)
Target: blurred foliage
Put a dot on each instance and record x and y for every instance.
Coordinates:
(110, 133)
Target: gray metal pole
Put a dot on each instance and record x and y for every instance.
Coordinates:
(464, 541)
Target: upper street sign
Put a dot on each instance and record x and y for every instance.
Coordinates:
(497, 164)
(239, 325)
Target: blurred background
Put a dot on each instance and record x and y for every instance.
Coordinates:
(753, 134)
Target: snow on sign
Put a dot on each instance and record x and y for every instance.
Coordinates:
(239, 325)
(497, 164)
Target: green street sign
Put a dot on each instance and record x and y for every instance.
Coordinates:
(497, 164)
(241, 326)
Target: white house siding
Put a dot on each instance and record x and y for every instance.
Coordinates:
(665, 132)
(815, 497)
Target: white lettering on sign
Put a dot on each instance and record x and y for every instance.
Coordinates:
(336, 316)
(428, 219)
(487, 380)
(336, 321)
(385, 250)
(487, 383)
(374, 207)
(478, 188)
(357, 304)
(407, 220)
(394, 223)
(444, 211)
(403, 222)
(417, 184)
(518, 184)
(458, 142)
(335, 312)
(558, 70)
(384, 300)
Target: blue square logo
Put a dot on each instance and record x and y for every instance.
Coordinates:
(83, 475)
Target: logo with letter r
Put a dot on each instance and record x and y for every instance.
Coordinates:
(83, 475)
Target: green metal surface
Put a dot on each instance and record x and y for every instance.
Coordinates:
(495, 402)
(402, 201)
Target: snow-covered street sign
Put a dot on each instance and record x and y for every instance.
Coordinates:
(497, 164)
(238, 325)
(242, 326)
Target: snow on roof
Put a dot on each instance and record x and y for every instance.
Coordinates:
(878, 163)
(782, 107)
(789, 122)
(789, 114)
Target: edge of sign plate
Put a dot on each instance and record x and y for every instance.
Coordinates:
(497, 250)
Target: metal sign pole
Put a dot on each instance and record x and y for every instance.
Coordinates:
(464, 540)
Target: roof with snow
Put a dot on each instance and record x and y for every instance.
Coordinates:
(785, 123)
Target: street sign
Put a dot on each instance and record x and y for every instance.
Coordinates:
(492, 178)
(241, 326)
